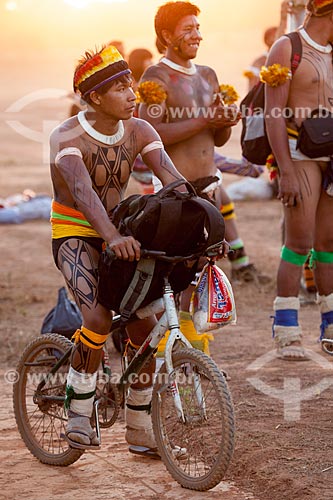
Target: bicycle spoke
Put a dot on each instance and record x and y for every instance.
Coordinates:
(39, 414)
(205, 436)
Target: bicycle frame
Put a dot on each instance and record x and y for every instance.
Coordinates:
(168, 321)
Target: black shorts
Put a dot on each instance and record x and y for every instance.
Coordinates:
(96, 243)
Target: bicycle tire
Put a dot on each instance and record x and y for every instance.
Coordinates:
(41, 423)
(207, 435)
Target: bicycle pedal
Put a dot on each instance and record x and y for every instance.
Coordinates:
(144, 452)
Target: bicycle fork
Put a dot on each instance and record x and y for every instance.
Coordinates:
(176, 334)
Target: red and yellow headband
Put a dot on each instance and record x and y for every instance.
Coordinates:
(102, 68)
(320, 7)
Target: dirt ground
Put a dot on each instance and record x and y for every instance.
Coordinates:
(283, 410)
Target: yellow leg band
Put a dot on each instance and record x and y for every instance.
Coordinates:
(228, 211)
(89, 338)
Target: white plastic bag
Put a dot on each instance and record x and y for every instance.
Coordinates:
(250, 189)
(212, 303)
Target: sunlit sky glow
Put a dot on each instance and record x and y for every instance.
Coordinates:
(10, 6)
(43, 39)
(81, 4)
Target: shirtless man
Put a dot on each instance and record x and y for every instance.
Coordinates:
(308, 208)
(191, 122)
(92, 155)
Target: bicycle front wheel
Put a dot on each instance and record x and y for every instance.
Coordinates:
(196, 446)
(39, 413)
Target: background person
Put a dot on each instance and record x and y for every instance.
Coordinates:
(307, 206)
(191, 141)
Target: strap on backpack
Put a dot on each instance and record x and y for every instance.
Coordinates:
(138, 288)
(170, 187)
(170, 211)
(216, 229)
(296, 50)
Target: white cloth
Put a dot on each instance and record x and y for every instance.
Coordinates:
(157, 184)
(82, 383)
(297, 155)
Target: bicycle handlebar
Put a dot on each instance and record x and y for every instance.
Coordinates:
(211, 251)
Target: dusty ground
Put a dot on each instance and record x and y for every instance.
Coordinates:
(283, 410)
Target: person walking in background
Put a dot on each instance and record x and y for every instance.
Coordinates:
(288, 8)
(138, 61)
(303, 181)
(120, 46)
(252, 72)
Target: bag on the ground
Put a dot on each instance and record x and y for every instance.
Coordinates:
(212, 304)
(65, 318)
(315, 137)
(171, 221)
(254, 141)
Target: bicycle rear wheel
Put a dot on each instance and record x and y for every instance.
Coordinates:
(206, 433)
(40, 419)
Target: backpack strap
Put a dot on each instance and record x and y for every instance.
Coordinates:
(138, 288)
(173, 185)
(170, 211)
(216, 226)
(120, 211)
(296, 50)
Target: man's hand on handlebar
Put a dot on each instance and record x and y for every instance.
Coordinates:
(125, 247)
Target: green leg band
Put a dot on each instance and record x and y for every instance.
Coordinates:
(324, 257)
(71, 394)
(293, 257)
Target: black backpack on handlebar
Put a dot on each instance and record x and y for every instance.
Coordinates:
(177, 223)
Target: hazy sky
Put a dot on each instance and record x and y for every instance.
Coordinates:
(48, 36)
(42, 40)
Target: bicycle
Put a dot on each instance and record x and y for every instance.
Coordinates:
(192, 409)
(327, 346)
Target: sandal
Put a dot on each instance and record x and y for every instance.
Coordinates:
(79, 433)
(144, 452)
(292, 352)
(288, 343)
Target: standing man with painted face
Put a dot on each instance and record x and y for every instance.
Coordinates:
(191, 121)
(303, 181)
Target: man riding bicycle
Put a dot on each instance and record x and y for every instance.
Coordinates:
(92, 155)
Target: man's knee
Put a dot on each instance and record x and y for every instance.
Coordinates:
(322, 257)
(139, 330)
(294, 256)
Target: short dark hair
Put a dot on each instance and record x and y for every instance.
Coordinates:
(169, 15)
(135, 62)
